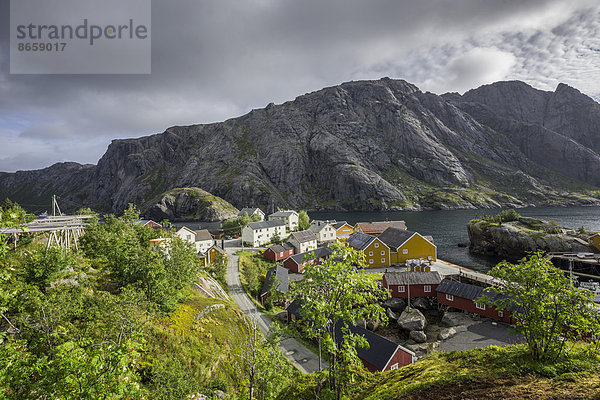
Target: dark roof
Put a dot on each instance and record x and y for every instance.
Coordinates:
(339, 224)
(265, 224)
(319, 252)
(203, 234)
(375, 228)
(304, 236)
(466, 291)
(249, 211)
(278, 248)
(380, 349)
(276, 277)
(294, 308)
(360, 240)
(395, 237)
(286, 213)
(413, 278)
(217, 248)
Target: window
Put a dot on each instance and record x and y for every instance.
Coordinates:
(501, 314)
(427, 288)
(404, 251)
(376, 244)
(394, 367)
(449, 297)
(383, 260)
(370, 253)
(371, 261)
(401, 289)
(281, 254)
(480, 306)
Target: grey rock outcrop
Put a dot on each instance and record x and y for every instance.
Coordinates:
(190, 204)
(513, 240)
(451, 319)
(446, 333)
(395, 304)
(391, 315)
(412, 320)
(367, 145)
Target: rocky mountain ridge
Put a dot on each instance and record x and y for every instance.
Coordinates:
(366, 145)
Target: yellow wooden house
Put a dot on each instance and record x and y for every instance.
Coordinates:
(211, 253)
(406, 245)
(377, 253)
(595, 240)
(343, 229)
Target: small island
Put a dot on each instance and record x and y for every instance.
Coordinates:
(511, 236)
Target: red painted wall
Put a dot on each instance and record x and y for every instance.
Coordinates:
(400, 356)
(415, 290)
(469, 306)
(270, 255)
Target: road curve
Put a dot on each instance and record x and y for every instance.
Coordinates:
(299, 355)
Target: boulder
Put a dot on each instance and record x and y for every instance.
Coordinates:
(373, 325)
(452, 319)
(446, 333)
(421, 302)
(391, 315)
(412, 320)
(395, 304)
(361, 322)
(418, 336)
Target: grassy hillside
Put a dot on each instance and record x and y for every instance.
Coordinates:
(488, 373)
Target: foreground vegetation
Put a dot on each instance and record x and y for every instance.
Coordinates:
(489, 373)
(118, 319)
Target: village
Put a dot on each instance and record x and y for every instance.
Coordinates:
(433, 304)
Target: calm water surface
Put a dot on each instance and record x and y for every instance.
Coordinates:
(448, 228)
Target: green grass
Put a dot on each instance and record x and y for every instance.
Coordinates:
(438, 375)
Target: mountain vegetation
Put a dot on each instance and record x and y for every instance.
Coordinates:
(366, 145)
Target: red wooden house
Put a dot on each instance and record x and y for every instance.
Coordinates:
(413, 284)
(297, 262)
(279, 252)
(463, 296)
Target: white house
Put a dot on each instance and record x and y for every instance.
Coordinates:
(324, 231)
(251, 212)
(186, 234)
(259, 233)
(303, 241)
(289, 217)
(203, 241)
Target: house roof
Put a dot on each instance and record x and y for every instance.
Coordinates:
(285, 213)
(380, 350)
(320, 252)
(466, 291)
(319, 227)
(413, 278)
(294, 308)
(265, 224)
(277, 248)
(217, 248)
(185, 228)
(276, 277)
(203, 235)
(395, 237)
(360, 240)
(144, 222)
(375, 228)
(304, 236)
(339, 224)
(250, 211)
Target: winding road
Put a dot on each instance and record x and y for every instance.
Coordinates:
(299, 355)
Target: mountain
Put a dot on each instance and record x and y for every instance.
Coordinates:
(366, 145)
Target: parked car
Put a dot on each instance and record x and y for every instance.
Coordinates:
(227, 237)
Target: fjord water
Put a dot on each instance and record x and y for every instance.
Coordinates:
(448, 227)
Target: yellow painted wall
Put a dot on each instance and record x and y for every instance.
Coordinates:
(417, 247)
(595, 241)
(345, 230)
(376, 247)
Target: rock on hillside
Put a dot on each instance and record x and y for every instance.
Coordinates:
(190, 204)
(513, 240)
(366, 145)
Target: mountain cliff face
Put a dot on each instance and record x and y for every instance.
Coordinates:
(367, 145)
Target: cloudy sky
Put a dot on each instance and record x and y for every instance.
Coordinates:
(216, 59)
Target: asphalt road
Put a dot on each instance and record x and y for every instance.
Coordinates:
(300, 356)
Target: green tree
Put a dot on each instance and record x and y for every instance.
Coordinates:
(218, 269)
(303, 220)
(335, 292)
(85, 211)
(546, 307)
